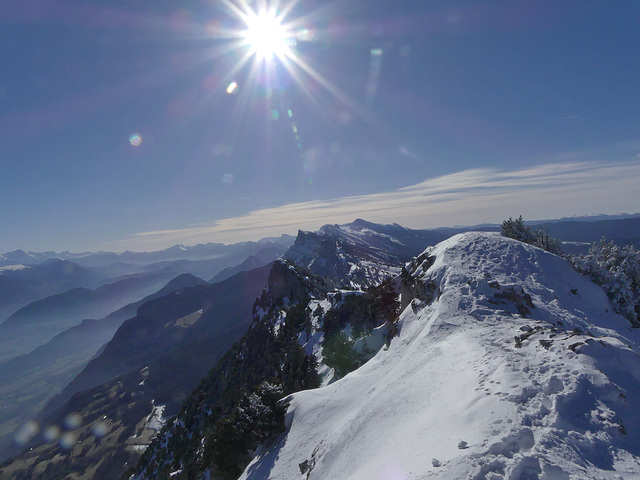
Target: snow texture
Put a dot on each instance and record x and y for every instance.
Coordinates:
(156, 420)
(518, 369)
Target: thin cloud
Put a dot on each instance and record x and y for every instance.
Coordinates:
(463, 198)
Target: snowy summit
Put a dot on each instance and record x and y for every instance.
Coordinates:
(508, 365)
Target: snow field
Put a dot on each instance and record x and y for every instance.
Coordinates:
(517, 370)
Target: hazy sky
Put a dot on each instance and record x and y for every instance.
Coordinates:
(117, 129)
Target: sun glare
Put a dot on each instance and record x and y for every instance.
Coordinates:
(264, 39)
(266, 36)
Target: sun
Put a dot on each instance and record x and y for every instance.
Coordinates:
(266, 36)
(267, 40)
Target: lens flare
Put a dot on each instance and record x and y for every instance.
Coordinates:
(304, 35)
(26, 432)
(72, 421)
(99, 429)
(375, 67)
(135, 139)
(68, 440)
(51, 433)
(223, 150)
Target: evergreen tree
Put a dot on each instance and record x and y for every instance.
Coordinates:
(517, 230)
(338, 353)
(617, 270)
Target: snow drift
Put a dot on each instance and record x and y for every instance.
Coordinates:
(508, 365)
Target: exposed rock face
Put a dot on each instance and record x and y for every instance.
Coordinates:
(270, 350)
(361, 253)
(410, 288)
(286, 282)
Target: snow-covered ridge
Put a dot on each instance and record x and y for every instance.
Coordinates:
(508, 365)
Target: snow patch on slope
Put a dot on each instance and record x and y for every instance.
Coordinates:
(156, 420)
(147, 429)
(186, 321)
(13, 268)
(518, 369)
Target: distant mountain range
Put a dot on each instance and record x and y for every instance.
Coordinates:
(596, 217)
(40, 300)
(177, 252)
(19, 287)
(213, 250)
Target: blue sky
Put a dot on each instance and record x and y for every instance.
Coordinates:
(424, 113)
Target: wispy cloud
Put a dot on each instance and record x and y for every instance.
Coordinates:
(464, 198)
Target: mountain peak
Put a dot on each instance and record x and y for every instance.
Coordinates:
(512, 365)
(183, 280)
(291, 284)
(360, 223)
(360, 253)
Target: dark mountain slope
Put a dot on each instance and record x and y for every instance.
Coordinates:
(28, 381)
(89, 335)
(622, 231)
(81, 302)
(162, 324)
(25, 285)
(267, 254)
(267, 363)
(61, 272)
(168, 348)
(249, 263)
(38, 322)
